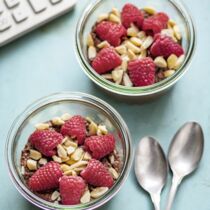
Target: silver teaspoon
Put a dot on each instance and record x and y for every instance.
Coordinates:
(184, 155)
(151, 168)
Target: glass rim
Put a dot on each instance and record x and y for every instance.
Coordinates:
(136, 91)
(59, 97)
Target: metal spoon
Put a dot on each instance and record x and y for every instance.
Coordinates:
(151, 168)
(184, 155)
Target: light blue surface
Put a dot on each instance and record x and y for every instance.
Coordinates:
(44, 62)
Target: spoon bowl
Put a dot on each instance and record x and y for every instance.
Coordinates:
(151, 168)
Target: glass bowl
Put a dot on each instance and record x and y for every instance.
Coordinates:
(55, 105)
(176, 11)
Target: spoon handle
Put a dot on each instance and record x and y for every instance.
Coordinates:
(156, 200)
(175, 184)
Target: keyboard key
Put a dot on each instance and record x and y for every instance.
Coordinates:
(11, 3)
(19, 15)
(55, 1)
(38, 5)
(5, 23)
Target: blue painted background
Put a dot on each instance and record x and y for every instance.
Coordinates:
(44, 62)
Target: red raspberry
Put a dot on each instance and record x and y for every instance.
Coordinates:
(142, 71)
(96, 174)
(111, 32)
(71, 189)
(46, 178)
(154, 24)
(106, 60)
(131, 14)
(100, 146)
(165, 46)
(75, 126)
(46, 141)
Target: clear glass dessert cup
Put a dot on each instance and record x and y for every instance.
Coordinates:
(55, 105)
(174, 8)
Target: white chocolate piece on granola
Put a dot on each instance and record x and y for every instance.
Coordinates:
(103, 44)
(57, 121)
(117, 77)
(66, 116)
(121, 49)
(92, 52)
(90, 41)
(42, 161)
(102, 17)
(114, 18)
(35, 155)
(147, 42)
(77, 154)
(179, 62)
(56, 159)
(107, 76)
(171, 61)
(92, 128)
(31, 164)
(177, 32)
(132, 47)
(55, 195)
(87, 156)
(98, 192)
(61, 151)
(102, 130)
(136, 41)
(126, 80)
(160, 62)
(168, 73)
(42, 126)
(132, 31)
(114, 173)
(116, 12)
(85, 197)
(131, 55)
(149, 10)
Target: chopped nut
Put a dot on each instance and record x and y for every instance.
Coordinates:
(79, 169)
(116, 12)
(92, 52)
(132, 47)
(160, 62)
(55, 195)
(92, 128)
(35, 155)
(177, 32)
(126, 80)
(179, 62)
(77, 154)
(22, 171)
(70, 162)
(171, 61)
(42, 161)
(103, 17)
(114, 18)
(87, 156)
(117, 76)
(168, 73)
(143, 54)
(65, 159)
(70, 142)
(85, 197)
(124, 64)
(103, 44)
(169, 32)
(57, 121)
(42, 126)
(132, 31)
(66, 117)
(78, 164)
(70, 150)
(111, 159)
(90, 41)
(150, 10)
(102, 130)
(65, 167)
(70, 173)
(136, 41)
(131, 55)
(98, 192)
(147, 42)
(61, 152)
(121, 49)
(114, 173)
(31, 164)
(107, 76)
(56, 159)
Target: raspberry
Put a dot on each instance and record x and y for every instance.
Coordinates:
(96, 174)
(46, 177)
(154, 24)
(71, 189)
(111, 32)
(46, 141)
(165, 46)
(100, 146)
(142, 71)
(75, 127)
(106, 60)
(131, 14)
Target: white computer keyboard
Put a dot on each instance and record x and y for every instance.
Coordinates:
(18, 17)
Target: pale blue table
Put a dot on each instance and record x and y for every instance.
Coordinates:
(44, 62)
